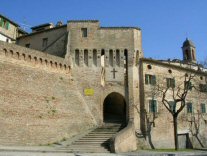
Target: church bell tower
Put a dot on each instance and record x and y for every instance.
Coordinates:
(189, 51)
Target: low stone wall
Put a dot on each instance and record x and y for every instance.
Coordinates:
(125, 140)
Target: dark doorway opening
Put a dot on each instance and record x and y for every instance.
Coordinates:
(114, 108)
(184, 141)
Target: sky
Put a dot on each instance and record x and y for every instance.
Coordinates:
(165, 24)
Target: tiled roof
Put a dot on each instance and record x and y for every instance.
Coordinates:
(9, 20)
(79, 21)
(120, 28)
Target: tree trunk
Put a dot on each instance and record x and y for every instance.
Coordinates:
(175, 124)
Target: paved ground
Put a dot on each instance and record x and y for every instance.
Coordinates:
(50, 151)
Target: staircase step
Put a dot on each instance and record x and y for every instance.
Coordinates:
(90, 143)
(97, 140)
(94, 139)
(100, 136)
(88, 151)
(87, 145)
(100, 133)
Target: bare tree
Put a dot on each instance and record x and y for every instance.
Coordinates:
(195, 123)
(150, 123)
(178, 95)
(149, 118)
(197, 119)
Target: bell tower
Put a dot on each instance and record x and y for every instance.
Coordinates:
(189, 51)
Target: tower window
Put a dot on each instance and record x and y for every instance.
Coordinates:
(77, 57)
(84, 32)
(186, 55)
(111, 57)
(102, 57)
(86, 57)
(193, 54)
(117, 58)
(95, 57)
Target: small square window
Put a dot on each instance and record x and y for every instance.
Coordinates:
(44, 42)
(84, 32)
(203, 87)
(170, 82)
(189, 108)
(172, 106)
(27, 45)
(153, 106)
(188, 85)
(203, 108)
(4, 23)
(150, 79)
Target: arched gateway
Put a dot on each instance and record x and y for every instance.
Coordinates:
(114, 108)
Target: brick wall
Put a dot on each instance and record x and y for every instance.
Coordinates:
(39, 103)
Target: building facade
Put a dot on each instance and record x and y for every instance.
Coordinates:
(9, 30)
(78, 76)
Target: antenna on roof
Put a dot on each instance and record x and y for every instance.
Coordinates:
(24, 24)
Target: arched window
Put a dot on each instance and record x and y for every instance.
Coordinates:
(77, 57)
(60, 65)
(17, 53)
(5, 52)
(40, 60)
(24, 56)
(95, 57)
(118, 57)
(45, 62)
(55, 64)
(11, 53)
(193, 55)
(35, 59)
(29, 58)
(86, 57)
(111, 57)
(65, 66)
(51, 64)
(186, 55)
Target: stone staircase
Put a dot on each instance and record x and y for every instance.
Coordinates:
(96, 141)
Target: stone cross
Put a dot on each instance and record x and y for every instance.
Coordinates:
(114, 71)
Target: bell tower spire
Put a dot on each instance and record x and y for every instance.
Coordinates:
(189, 51)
